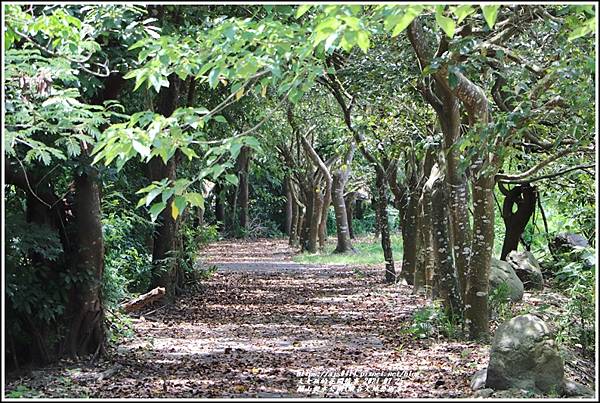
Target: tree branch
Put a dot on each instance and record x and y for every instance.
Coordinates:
(529, 172)
(549, 176)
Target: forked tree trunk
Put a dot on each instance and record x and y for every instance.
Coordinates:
(524, 197)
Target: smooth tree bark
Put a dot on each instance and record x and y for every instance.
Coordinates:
(410, 229)
(324, 214)
(425, 264)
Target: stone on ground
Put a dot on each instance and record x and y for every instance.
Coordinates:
(502, 272)
(525, 356)
(527, 269)
(567, 242)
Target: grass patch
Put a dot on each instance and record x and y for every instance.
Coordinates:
(368, 252)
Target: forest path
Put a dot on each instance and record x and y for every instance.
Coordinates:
(262, 319)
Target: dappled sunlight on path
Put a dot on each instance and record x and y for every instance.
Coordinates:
(261, 322)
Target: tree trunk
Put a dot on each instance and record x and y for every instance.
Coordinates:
(525, 198)
(244, 166)
(476, 296)
(350, 201)
(219, 206)
(324, 214)
(307, 219)
(289, 208)
(384, 229)
(315, 221)
(165, 236)
(86, 333)
(410, 233)
(444, 260)
(360, 208)
(424, 249)
(459, 213)
(342, 225)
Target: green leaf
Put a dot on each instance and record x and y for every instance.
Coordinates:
(195, 199)
(220, 119)
(362, 39)
(462, 12)
(189, 153)
(213, 77)
(152, 195)
(156, 209)
(302, 10)
(490, 13)
(251, 142)
(234, 150)
(400, 23)
(582, 30)
(447, 24)
(233, 179)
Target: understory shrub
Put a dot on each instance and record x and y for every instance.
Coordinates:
(433, 320)
(575, 277)
(128, 261)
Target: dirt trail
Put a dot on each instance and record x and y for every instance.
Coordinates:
(262, 323)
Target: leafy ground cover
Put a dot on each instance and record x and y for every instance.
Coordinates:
(262, 324)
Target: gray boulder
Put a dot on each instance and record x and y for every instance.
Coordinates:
(567, 242)
(478, 379)
(527, 269)
(524, 356)
(502, 272)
